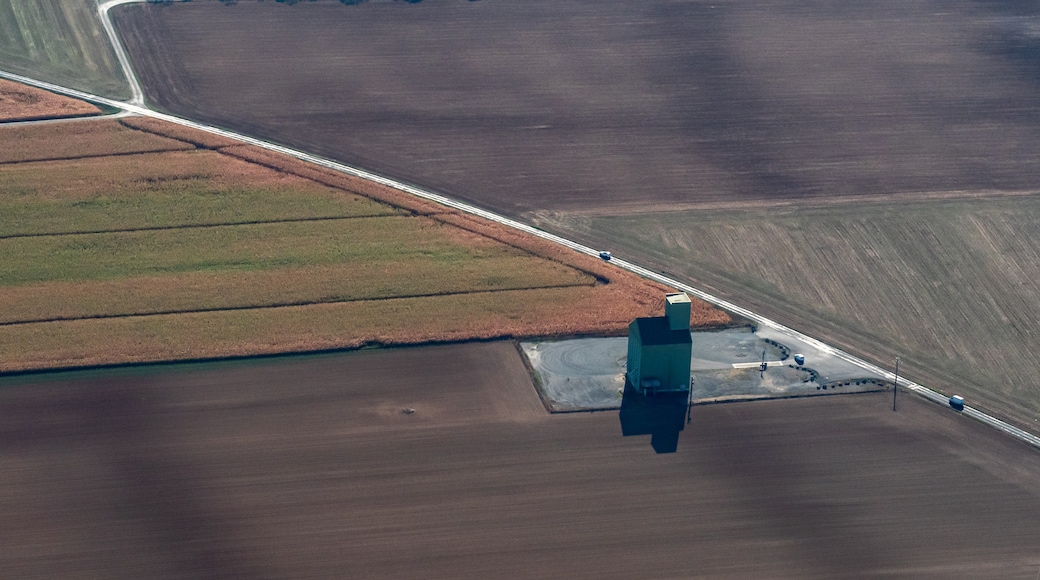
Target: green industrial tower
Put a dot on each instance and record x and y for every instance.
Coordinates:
(660, 349)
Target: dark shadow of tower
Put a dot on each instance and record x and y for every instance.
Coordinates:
(662, 416)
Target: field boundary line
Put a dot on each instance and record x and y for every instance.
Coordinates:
(51, 119)
(226, 150)
(202, 226)
(98, 156)
(136, 105)
(121, 114)
(195, 144)
(577, 268)
(279, 305)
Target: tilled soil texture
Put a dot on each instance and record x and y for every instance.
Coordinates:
(946, 284)
(441, 463)
(60, 42)
(551, 111)
(19, 102)
(617, 106)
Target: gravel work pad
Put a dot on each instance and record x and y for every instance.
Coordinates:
(589, 373)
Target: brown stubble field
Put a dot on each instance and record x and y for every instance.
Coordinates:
(570, 114)
(22, 103)
(65, 141)
(308, 467)
(134, 241)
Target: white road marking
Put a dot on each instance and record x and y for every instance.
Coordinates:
(755, 365)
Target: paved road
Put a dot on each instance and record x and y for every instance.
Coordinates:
(766, 326)
(136, 93)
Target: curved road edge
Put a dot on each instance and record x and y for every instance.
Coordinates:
(140, 109)
(136, 92)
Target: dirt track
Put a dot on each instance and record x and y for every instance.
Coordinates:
(308, 467)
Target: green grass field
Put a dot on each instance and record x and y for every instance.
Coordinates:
(204, 242)
(950, 285)
(133, 247)
(60, 41)
(194, 202)
(296, 262)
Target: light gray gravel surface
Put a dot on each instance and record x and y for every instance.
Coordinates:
(589, 373)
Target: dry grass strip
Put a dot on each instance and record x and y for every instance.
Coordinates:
(20, 102)
(522, 313)
(702, 315)
(61, 180)
(207, 290)
(332, 178)
(93, 138)
(200, 139)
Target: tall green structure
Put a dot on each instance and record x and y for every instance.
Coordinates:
(660, 349)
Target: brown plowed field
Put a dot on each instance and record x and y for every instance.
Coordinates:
(19, 102)
(309, 468)
(554, 110)
(618, 105)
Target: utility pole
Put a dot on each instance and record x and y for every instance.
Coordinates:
(895, 386)
(689, 402)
